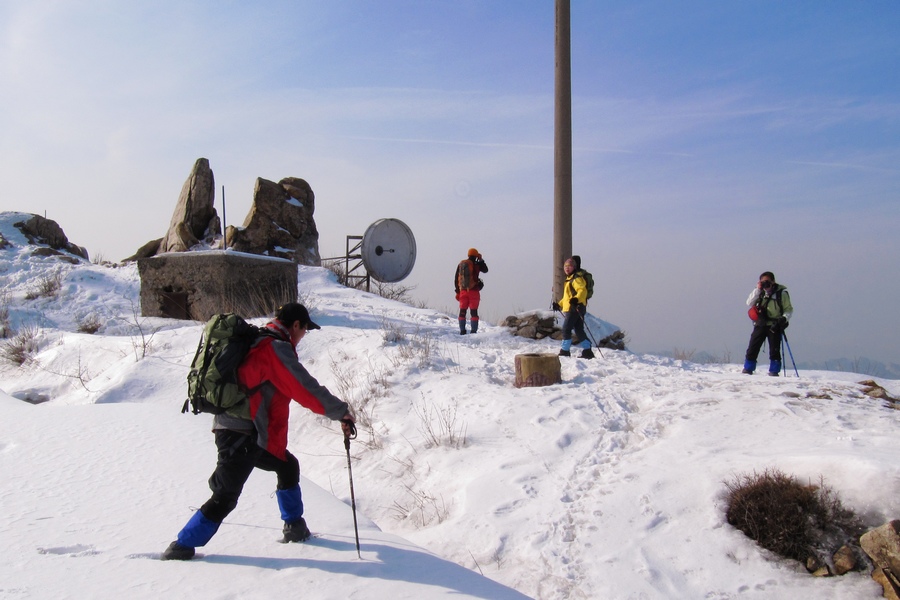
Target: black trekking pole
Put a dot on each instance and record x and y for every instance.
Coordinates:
(590, 335)
(783, 361)
(347, 438)
(586, 328)
(791, 354)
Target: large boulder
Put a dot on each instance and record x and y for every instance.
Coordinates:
(40, 230)
(195, 218)
(280, 222)
(883, 547)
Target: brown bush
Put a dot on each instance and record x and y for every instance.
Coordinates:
(790, 518)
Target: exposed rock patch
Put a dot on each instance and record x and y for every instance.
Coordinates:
(873, 390)
(42, 231)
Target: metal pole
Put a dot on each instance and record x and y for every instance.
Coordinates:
(791, 354)
(224, 227)
(590, 335)
(352, 494)
(562, 149)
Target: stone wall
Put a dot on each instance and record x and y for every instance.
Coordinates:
(198, 285)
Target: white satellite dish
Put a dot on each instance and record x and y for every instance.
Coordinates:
(388, 250)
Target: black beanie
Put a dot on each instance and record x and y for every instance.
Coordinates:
(577, 260)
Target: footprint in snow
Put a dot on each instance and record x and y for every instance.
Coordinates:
(76, 550)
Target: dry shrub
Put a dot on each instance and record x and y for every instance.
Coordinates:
(792, 519)
(22, 346)
(90, 324)
(46, 286)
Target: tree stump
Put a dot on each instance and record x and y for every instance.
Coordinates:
(537, 370)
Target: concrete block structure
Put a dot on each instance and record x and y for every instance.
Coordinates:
(198, 285)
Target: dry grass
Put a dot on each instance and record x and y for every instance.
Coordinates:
(45, 287)
(20, 347)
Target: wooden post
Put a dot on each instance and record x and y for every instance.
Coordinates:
(537, 370)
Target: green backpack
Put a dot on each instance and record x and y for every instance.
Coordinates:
(588, 283)
(212, 381)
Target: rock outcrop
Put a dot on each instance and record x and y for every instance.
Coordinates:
(42, 231)
(195, 218)
(883, 547)
(280, 222)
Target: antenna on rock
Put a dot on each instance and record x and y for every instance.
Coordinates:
(224, 228)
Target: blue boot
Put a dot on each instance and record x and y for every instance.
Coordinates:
(749, 367)
(774, 368)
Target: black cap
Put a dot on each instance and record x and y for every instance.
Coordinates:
(292, 311)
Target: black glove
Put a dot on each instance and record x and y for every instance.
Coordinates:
(349, 428)
(779, 325)
(556, 306)
(573, 303)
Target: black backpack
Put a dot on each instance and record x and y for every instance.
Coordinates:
(212, 381)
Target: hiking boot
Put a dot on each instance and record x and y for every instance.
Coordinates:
(773, 374)
(176, 551)
(587, 353)
(747, 372)
(565, 353)
(296, 532)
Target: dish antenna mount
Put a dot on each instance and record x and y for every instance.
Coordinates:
(386, 252)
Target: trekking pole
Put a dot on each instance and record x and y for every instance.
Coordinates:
(590, 335)
(586, 329)
(783, 359)
(791, 354)
(347, 438)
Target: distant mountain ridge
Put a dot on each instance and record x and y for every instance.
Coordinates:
(861, 365)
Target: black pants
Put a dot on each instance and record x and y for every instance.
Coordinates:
(238, 455)
(760, 334)
(574, 320)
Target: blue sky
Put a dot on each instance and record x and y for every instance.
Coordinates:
(712, 141)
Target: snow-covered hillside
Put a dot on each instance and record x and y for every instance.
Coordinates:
(608, 485)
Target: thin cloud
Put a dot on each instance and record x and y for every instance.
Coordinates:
(833, 165)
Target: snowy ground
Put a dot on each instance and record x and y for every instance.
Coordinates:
(608, 485)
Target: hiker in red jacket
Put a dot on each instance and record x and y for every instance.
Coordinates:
(273, 370)
(468, 288)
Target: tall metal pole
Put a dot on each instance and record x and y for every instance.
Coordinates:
(224, 225)
(562, 149)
